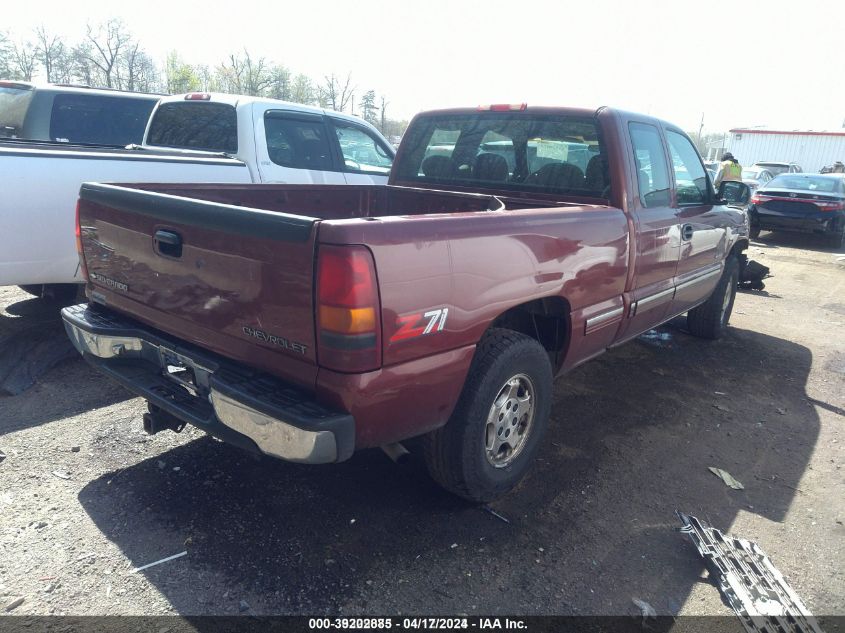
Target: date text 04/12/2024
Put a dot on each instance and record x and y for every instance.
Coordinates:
(416, 623)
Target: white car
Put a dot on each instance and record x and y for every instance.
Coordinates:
(756, 176)
(192, 138)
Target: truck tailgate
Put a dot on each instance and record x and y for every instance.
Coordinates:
(235, 280)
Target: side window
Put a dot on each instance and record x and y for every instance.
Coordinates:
(652, 172)
(99, 120)
(298, 141)
(361, 151)
(690, 177)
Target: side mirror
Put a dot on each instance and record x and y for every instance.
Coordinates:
(734, 193)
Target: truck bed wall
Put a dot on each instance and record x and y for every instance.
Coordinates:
(338, 202)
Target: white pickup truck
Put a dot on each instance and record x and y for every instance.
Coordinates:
(192, 138)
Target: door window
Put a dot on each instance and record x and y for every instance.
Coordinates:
(361, 150)
(650, 159)
(298, 141)
(690, 177)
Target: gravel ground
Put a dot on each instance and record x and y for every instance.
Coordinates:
(86, 496)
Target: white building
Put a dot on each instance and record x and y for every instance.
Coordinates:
(810, 149)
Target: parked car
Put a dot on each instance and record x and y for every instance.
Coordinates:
(806, 203)
(198, 137)
(836, 168)
(756, 177)
(73, 114)
(308, 322)
(777, 168)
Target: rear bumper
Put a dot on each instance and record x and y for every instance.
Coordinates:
(821, 222)
(225, 399)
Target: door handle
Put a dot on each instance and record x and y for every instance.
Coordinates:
(168, 243)
(687, 231)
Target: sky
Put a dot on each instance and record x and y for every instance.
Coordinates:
(774, 63)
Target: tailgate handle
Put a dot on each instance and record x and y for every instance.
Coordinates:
(168, 243)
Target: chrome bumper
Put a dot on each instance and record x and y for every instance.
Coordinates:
(280, 420)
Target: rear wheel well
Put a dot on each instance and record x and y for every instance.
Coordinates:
(546, 320)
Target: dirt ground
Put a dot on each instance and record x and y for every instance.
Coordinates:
(86, 496)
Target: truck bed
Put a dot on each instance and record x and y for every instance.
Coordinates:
(242, 283)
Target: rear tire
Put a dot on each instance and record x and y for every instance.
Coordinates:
(710, 319)
(836, 240)
(754, 232)
(490, 441)
(60, 293)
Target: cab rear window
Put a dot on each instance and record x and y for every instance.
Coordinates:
(507, 151)
(199, 125)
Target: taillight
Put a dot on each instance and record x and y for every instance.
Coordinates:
(348, 324)
(832, 205)
(83, 270)
(758, 199)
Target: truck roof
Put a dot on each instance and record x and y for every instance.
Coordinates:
(237, 100)
(75, 89)
(549, 110)
(577, 111)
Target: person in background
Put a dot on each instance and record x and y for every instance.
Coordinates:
(729, 169)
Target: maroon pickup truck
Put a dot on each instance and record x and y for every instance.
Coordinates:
(307, 322)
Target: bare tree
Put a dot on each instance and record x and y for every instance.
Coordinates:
(333, 95)
(136, 70)
(384, 103)
(142, 75)
(245, 75)
(23, 60)
(108, 42)
(5, 57)
(82, 69)
(302, 90)
(51, 51)
(280, 84)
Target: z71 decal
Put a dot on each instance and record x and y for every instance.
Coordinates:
(420, 324)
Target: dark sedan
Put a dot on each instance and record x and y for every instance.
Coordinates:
(805, 203)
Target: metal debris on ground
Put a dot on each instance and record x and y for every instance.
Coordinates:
(496, 514)
(725, 476)
(645, 608)
(2, 456)
(661, 339)
(14, 604)
(61, 474)
(159, 562)
(753, 587)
